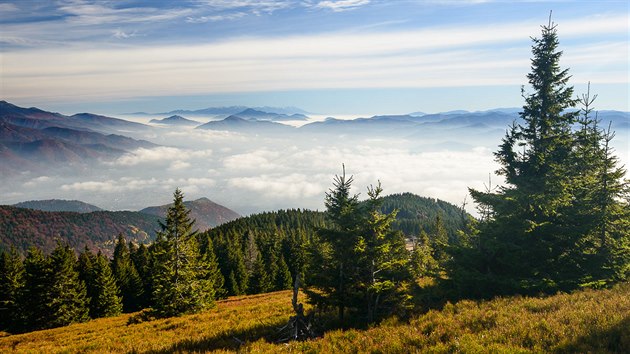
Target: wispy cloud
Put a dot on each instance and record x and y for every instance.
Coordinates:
(433, 57)
(341, 5)
(120, 34)
(86, 13)
(256, 6)
(216, 18)
(7, 7)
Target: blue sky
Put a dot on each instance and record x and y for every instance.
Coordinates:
(328, 57)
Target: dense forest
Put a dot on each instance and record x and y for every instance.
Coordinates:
(560, 222)
(22, 228)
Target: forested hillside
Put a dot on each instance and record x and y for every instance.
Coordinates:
(22, 228)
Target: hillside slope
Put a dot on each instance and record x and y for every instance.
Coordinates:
(22, 228)
(586, 321)
(76, 206)
(207, 214)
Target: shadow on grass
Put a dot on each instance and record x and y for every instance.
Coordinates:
(227, 340)
(615, 339)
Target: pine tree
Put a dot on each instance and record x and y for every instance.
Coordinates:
(440, 242)
(127, 277)
(260, 280)
(105, 301)
(66, 298)
(536, 233)
(141, 258)
(37, 284)
(360, 263)
(86, 263)
(283, 276)
(422, 261)
(333, 260)
(11, 286)
(214, 274)
(383, 259)
(180, 279)
(236, 281)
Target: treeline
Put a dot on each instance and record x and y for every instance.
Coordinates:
(172, 276)
(250, 255)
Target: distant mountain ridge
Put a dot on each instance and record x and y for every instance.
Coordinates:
(26, 224)
(238, 124)
(207, 214)
(76, 206)
(253, 114)
(38, 140)
(175, 120)
(38, 119)
(229, 110)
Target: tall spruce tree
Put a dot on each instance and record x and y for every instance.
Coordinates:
(105, 300)
(141, 258)
(67, 300)
(127, 277)
(214, 272)
(360, 264)
(11, 286)
(180, 278)
(534, 237)
(37, 281)
(333, 260)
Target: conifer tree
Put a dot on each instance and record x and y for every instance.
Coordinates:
(360, 264)
(127, 277)
(440, 242)
(214, 274)
(67, 300)
(11, 287)
(333, 261)
(383, 260)
(37, 282)
(260, 280)
(141, 258)
(422, 261)
(537, 232)
(105, 301)
(86, 263)
(236, 281)
(180, 278)
(283, 276)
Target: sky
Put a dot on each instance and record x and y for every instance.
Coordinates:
(327, 57)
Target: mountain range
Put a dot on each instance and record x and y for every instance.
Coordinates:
(41, 223)
(175, 120)
(242, 125)
(33, 139)
(227, 111)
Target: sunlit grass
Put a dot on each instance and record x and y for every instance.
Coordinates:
(586, 321)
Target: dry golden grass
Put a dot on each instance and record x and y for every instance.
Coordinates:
(586, 321)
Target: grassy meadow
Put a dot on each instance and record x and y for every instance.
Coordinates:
(586, 321)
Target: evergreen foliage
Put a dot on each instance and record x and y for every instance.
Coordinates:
(34, 299)
(105, 301)
(361, 264)
(11, 284)
(561, 219)
(180, 277)
(127, 277)
(141, 258)
(66, 299)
